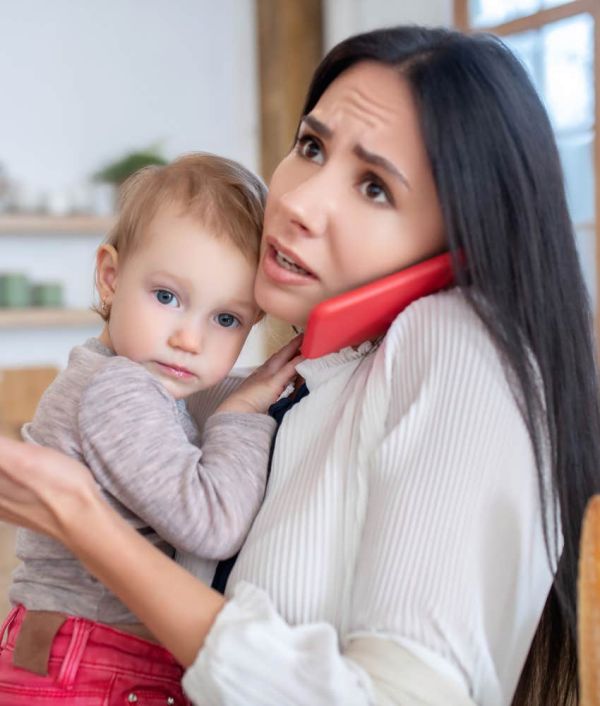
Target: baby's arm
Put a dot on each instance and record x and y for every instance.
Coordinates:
(199, 500)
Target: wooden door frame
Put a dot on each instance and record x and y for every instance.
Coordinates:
(290, 45)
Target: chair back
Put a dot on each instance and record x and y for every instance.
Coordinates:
(588, 610)
(20, 392)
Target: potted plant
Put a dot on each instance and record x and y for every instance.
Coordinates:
(112, 175)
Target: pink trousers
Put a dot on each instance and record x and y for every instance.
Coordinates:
(90, 664)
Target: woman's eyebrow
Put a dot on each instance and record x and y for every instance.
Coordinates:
(370, 157)
(316, 125)
(378, 161)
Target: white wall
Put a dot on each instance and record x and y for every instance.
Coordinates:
(346, 17)
(83, 83)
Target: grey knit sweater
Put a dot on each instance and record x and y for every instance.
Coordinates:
(187, 491)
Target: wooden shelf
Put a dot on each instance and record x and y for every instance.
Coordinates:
(69, 225)
(42, 318)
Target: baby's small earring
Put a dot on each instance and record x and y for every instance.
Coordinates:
(104, 307)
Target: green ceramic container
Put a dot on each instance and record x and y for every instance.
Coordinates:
(15, 290)
(47, 294)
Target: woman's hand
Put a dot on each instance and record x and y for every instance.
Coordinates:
(261, 389)
(43, 489)
(49, 492)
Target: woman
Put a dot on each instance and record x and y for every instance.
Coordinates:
(423, 491)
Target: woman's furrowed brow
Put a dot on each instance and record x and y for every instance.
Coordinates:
(376, 160)
(320, 128)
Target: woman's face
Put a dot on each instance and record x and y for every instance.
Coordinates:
(354, 200)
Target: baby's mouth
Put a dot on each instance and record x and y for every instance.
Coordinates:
(175, 371)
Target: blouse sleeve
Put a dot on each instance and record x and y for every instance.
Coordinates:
(449, 577)
(252, 656)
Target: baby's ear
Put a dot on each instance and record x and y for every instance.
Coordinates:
(107, 268)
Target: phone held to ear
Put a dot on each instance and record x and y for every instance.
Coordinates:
(367, 312)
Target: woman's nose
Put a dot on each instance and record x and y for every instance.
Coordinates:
(310, 205)
(187, 338)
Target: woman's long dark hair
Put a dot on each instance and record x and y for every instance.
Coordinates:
(500, 184)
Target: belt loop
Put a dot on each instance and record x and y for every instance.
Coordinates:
(8, 621)
(75, 650)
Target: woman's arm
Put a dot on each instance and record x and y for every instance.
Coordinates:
(48, 492)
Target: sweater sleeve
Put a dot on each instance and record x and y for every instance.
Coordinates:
(199, 500)
(450, 551)
(203, 403)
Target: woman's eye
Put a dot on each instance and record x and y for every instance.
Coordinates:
(375, 191)
(310, 149)
(163, 296)
(228, 320)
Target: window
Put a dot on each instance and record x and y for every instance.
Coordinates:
(556, 41)
(487, 13)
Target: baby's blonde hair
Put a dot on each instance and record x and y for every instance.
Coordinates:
(227, 198)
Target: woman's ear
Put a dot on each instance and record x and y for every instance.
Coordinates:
(107, 267)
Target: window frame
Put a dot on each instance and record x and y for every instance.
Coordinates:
(536, 21)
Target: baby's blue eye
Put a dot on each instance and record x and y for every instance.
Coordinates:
(163, 296)
(227, 320)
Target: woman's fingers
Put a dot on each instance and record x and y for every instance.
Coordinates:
(37, 484)
(27, 464)
(9, 451)
(19, 503)
(287, 374)
(15, 459)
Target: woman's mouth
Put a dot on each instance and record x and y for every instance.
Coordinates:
(289, 264)
(283, 267)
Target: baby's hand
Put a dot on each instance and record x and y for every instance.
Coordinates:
(261, 389)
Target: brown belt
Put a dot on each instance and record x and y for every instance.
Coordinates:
(38, 630)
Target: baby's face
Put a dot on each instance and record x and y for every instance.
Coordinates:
(183, 304)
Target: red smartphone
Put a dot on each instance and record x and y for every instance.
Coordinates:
(367, 312)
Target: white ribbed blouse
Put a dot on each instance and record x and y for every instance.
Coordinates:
(398, 556)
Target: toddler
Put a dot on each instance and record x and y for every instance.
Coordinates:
(175, 281)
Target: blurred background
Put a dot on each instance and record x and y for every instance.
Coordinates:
(93, 90)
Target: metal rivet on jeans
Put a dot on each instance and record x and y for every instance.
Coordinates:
(132, 698)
